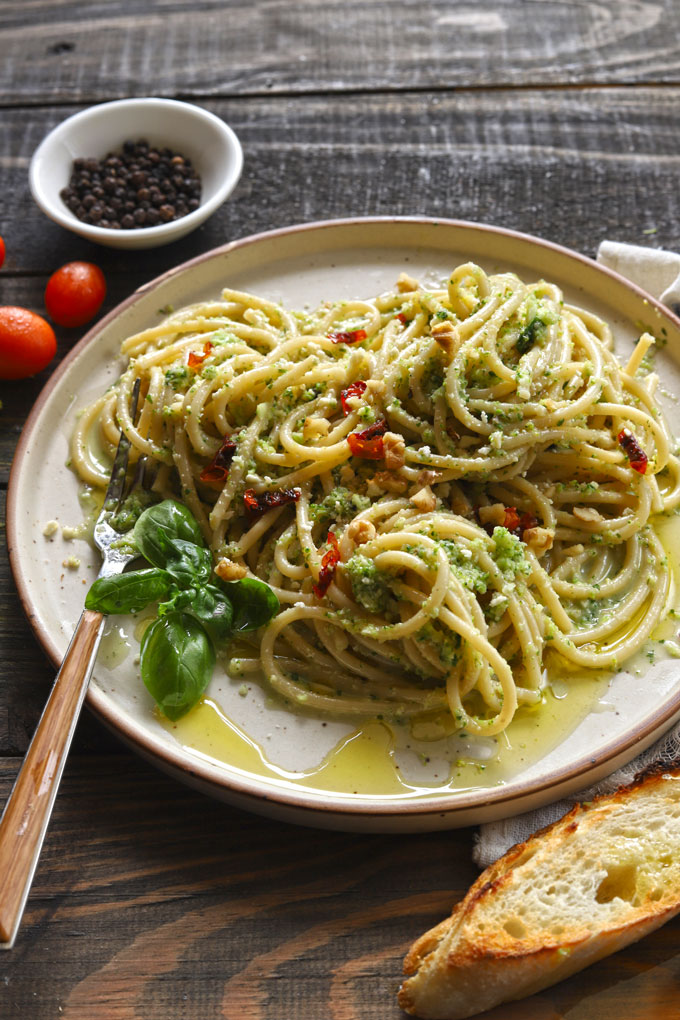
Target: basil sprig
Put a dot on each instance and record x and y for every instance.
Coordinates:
(197, 611)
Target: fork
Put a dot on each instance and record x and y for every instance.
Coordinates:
(29, 807)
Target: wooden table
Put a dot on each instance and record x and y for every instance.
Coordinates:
(558, 119)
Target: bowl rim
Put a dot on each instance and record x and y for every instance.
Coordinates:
(333, 810)
(65, 218)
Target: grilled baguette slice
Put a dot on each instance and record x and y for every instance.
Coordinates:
(601, 877)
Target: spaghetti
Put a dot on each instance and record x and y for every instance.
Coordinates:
(447, 489)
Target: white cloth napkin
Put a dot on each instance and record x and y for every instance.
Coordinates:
(657, 272)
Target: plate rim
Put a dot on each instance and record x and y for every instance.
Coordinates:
(222, 783)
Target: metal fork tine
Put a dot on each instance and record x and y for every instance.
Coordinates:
(114, 493)
(144, 476)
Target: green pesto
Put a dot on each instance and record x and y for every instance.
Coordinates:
(370, 586)
(464, 568)
(509, 554)
(339, 505)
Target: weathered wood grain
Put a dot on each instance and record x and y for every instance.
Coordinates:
(27, 812)
(152, 901)
(83, 52)
(567, 166)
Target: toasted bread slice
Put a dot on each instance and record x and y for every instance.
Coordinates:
(598, 879)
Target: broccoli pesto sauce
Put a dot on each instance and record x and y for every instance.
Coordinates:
(424, 759)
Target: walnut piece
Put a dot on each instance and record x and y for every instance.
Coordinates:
(361, 531)
(387, 482)
(428, 477)
(446, 335)
(315, 427)
(459, 502)
(588, 514)
(406, 283)
(394, 451)
(376, 387)
(347, 476)
(228, 570)
(424, 499)
(538, 539)
(493, 514)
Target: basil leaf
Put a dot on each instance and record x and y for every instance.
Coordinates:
(212, 607)
(160, 525)
(128, 593)
(254, 603)
(531, 335)
(189, 564)
(179, 599)
(177, 660)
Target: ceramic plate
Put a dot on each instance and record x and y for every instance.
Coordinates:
(241, 745)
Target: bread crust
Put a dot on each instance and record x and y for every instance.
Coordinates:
(485, 953)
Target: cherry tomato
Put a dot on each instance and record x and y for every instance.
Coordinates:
(74, 294)
(2, 251)
(27, 343)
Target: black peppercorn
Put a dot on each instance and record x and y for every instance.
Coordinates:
(139, 186)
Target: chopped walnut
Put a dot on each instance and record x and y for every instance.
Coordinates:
(228, 570)
(347, 476)
(315, 427)
(493, 514)
(353, 403)
(387, 482)
(376, 387)
(361, 531)
(451, 432)
(538, 539)
(446, 335)
(424, 499)
(589, 514)
(459, 502)
(406, 283)
(394, 451)
(428, 477)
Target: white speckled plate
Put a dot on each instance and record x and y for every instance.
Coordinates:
(301, 266)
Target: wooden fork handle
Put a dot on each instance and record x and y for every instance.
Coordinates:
(28, 809)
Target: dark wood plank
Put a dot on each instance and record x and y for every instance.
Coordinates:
(83, 52)
(152, 901)
(571, 167)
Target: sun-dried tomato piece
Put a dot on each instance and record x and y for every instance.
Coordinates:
(511, 521)
(257, 504)
(349, 336)
(368, 444)
(355, 389)
(515, 522)
(195, 360)
(402, 318)
(633, 451)
(218, 468)
(329, 562)
(526, 522)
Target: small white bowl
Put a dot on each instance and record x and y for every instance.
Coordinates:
(189, 130)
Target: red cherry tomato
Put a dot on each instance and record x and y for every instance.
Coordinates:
(27, 343)
(2, 252)
(74, 294)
